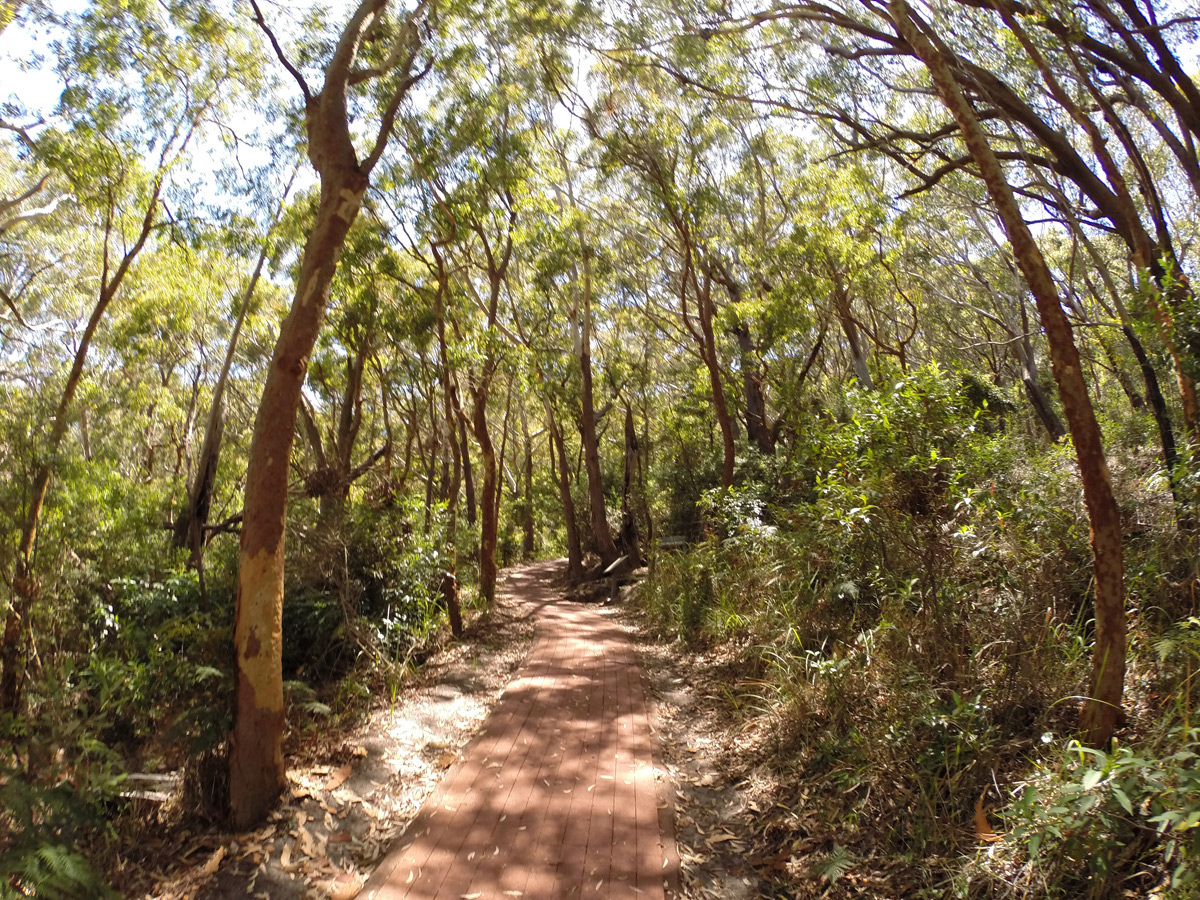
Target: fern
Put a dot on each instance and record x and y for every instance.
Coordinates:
(40, 825)
(51, 872)
(836, 864)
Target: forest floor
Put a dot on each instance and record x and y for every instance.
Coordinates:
(355, 791)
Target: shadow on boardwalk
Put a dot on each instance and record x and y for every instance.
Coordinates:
(557, 794)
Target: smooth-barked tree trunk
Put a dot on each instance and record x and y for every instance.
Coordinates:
(256, 768)
(1102, 710)
(574, 550)
(705, 311)
(605, 545)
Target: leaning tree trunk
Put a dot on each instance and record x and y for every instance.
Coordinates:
(1154, 394)
(1102, 710)
(256, 770)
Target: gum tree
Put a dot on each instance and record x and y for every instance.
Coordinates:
(374, 61)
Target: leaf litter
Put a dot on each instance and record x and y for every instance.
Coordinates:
(351, 794)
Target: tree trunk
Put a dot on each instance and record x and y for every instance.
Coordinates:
(757, 424)
(1023, 347)
(189, 526)
(256, 770)
(1166, 433)
(489, 505)
(337, 487)
(435, 450)
(468, 473)
(605, 545)
(574, 550)
(527, 523)
(450, 410)
(1101, 712)
(629, 530)
(1136, 402)
(705, 312)
(1154, 394)
(845, 316)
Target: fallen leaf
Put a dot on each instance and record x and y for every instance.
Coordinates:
(720, 838)
(982, 829)
(210, 867)
(340, 837)
(337, 778)
(345, 889)
(306, 843)
(446, 760)
(285, 858)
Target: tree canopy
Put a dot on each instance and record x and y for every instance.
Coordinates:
(315, 318)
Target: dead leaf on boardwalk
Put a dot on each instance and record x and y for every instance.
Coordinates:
(210, 867)
(982, 829)
(338, 777)
(446, 760)
(345, 887)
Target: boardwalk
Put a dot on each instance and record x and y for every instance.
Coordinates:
(556, 797)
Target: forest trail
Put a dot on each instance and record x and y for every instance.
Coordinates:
(556, 797)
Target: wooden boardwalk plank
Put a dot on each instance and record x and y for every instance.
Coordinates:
(556, 797)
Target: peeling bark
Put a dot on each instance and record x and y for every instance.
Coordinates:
(256, 771)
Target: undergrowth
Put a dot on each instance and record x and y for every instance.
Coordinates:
(136, 676)
(909, 597)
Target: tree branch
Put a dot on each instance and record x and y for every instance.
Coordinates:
(292, 70)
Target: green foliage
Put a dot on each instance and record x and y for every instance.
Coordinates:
(53, 808)
(50, 871)
(371, 582)
(908, 594)
(1088, 820)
